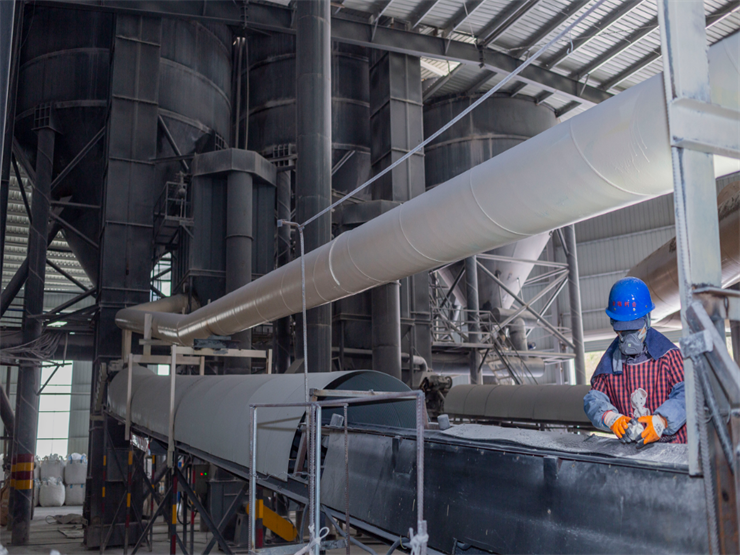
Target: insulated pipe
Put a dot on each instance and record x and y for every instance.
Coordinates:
(281, 347)
(313, 167)
(659, 270)
(239, 254)
(29, 373)
(471, 288)
(386, 329)
(518, 334)
(574, 295)
(176, 304)
(614, 155)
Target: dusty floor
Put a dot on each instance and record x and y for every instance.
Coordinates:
(47, 535)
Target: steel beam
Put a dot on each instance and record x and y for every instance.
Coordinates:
(439, 83)
(361, 33)
(485, 76)
(7, 24)
(465, 11)
(397, 117)
(570, 247)
(594, 31)
(29, 373)
(567, 108)
(425, 8)
(11, 17)
(281, 338)
(313, 166)
(550, 26)
(686, 75)
(386, 329)
(504, 21)
(616, 50)
(471, 283)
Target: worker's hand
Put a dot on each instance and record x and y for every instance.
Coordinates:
(616, 422)
(655, 425)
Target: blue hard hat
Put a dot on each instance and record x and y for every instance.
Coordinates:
(629, 300)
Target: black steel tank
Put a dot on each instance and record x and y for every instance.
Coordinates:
(66, 61)
(497, 125)
(272, 105)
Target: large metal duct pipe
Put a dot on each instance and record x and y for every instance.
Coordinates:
(314, 164)
(239, 253)
(611, 156)
(659, 270)
(29, 372)
(386, 338)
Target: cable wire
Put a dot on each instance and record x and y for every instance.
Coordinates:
(461, 115)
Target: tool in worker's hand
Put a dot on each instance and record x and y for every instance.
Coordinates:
(634, 429)
(633, 432)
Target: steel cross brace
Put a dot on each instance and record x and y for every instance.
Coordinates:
(153, 518)
(182, 481)
(537, 315)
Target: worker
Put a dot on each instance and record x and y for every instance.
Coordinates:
(640, 376)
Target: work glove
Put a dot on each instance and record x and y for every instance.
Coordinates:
(654, 428)
(616, 422)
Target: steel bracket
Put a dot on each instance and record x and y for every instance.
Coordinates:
(705, 127)
(696, 344)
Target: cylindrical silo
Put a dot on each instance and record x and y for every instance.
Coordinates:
(272, 105)
(273, 134)
(500, 123)
(65, 61)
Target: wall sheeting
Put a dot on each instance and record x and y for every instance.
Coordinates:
(79, 410)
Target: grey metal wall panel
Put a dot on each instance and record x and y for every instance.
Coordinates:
(79, 409)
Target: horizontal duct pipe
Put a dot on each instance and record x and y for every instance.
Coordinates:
(545, 404)
(659, 270)
(614, 155)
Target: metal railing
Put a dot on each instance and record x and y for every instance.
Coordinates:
(314, 427)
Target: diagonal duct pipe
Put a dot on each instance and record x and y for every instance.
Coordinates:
(659, 270)
(614, 155)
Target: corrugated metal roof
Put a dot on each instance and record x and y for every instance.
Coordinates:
(524, 36)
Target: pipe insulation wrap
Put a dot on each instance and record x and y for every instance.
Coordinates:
(614, 155)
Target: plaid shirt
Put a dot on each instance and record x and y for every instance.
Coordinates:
(657, 377)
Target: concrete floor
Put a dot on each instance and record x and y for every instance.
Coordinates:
(47, 535)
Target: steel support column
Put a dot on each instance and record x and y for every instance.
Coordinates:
(281, 347)
(574, 289)
(686, 75)
(11, 17)
(239, 253)
(386, 335)
(126, 222)
(27, 399)
(471, 286)
(397, 127)
(313, 167)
